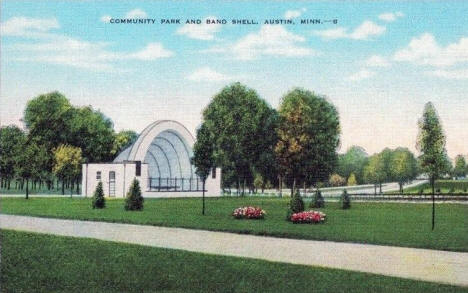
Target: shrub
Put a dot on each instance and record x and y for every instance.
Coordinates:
(309, 217)
(134, 200)
(465, 189)
(438, 190)
(337, 180)
(352, 180)
(296, 204)
(452, 190)
(99, 202)
(345, 200)
(421, 191)
(317, 200)
(248, 213)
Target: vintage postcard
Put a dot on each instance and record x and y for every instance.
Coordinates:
(233, 146)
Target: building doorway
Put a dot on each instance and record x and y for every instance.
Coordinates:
(112, 183)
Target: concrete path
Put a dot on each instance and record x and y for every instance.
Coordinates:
(421, 264)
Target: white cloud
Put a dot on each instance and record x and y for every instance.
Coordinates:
(206, 74)
(270, 40)
(458, 74)
(201, 31)
(133, 14)
(363, 32)
(425, 50)
(390, 16)
(152, 51)
(136, 13)
(87, 55)
(361, 75)
(28, 27)
(60, 49)
(377, 61)
(106, 18)
(367, 29)
(290, 14)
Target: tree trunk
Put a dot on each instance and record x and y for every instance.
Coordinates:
(433, 201)
(27, 188)
(203, 198)
(243, 188)
(71, 188)
(280, 185)
(63, 187)
(401, 186)
(380, 187)
(77, 187)
(375, 189)
(293, 187)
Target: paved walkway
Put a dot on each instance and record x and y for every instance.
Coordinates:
(420, 264)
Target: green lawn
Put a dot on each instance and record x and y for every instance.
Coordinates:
(400, 224)
(45, 263)
(458, 186)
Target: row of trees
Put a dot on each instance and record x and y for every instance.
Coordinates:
(58, 137)
(258, 146)
(255, 144)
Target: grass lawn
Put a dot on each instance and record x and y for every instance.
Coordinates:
(458, 186)
(400, 224)
(45, 263)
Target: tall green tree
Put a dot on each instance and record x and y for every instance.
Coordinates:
(93, 133)
(47, 119)
(308, 136)
(12, 140)
(431, 145)
(203, 157)
(67, 163)
(460, 166)
(374, 172)
(30, 162)
(353, 161)
(122, 140)
(403, 166)
(242, 127)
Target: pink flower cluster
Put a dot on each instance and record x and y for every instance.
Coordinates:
(248, 213)
(308, 217)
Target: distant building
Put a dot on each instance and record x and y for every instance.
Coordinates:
(159, 159)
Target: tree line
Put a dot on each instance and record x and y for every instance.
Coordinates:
(57, 138)
(257, 146)
(296, 146)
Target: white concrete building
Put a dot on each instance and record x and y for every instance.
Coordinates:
(159, 159)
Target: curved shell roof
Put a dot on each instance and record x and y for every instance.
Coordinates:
(166, 146)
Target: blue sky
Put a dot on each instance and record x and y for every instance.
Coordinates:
(379, 64)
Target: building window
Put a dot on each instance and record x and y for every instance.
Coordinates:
(98, 175)
(138, 168)
(213, 173)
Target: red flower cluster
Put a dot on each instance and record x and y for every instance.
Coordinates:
(248, 213)
(308, 217)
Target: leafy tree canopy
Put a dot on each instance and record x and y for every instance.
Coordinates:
(308, 132)
(122, 140)
(242, 127)
(460, 168)
(353, 161)
(431, 143)
(67, 161)
(12, 140)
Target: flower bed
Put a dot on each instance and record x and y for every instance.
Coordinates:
(248, 213)
(308, 217)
